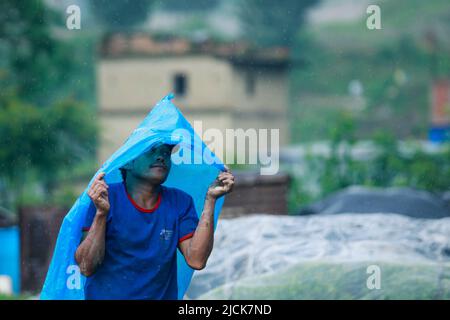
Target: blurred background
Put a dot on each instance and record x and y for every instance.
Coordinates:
(364, 119)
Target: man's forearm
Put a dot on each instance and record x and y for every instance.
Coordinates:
(202, 242)
(91, 251)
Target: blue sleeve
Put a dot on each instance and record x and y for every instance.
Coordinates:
(188, 222)
(90, 214)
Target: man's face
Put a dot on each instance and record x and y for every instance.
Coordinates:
(153, 166)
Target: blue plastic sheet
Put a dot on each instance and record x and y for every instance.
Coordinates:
(162, 124)
(10, 255)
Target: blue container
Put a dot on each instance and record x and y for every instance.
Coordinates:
(10, 255)
(439, 134)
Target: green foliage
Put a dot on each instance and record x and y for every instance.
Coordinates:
(395, 65)
(79, 74)
(396, 87)
(45, 130)
(269, 23)
(14, 297)
(396, 77)
(42, 141)
(390, 166)
(297, 195)
(121, 14)
(337, 166)
(189, 5)
(34, 61)
(65, 196)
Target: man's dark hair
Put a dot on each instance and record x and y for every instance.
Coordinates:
(123, 172)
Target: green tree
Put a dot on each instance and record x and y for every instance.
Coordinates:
(388, 165)
(42, 131)
(121, 14)
(32, 59)
(269, 22)
(339, 166)
(42, 142)
(189, 5)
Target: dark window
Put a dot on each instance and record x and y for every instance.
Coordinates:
(180, 84)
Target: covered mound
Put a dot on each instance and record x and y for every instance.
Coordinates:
(326, 257)
(406, 201)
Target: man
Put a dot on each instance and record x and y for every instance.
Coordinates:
(134, 227)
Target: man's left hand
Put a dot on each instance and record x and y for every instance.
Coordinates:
(223, 184)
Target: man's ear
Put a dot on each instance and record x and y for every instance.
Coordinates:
(175, 148)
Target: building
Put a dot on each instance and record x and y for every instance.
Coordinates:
(440, 111)
(226, 86)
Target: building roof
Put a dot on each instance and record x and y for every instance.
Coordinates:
(122, 45)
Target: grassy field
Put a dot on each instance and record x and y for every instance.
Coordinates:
(14, 297)
(395, 66)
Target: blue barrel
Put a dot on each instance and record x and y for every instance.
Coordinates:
(10, 255)
(439, 134)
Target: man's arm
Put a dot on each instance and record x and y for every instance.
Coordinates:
(197, 249)
(91, 251)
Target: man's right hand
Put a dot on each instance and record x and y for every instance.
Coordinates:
(90, 254)
(98, 192)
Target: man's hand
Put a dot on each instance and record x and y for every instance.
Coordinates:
(222, 185)
(197, 249)
(91, 252)
(98, 192)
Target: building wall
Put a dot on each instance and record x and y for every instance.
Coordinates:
(264, 107)
(116, 127)
(217, 94)
(262, 120)
(212, 83)
(270, 89)
(114, 130)
(139, 83)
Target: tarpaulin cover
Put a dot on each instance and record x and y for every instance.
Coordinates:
(161, 125)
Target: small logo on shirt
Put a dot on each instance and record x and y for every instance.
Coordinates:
(165, 234)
